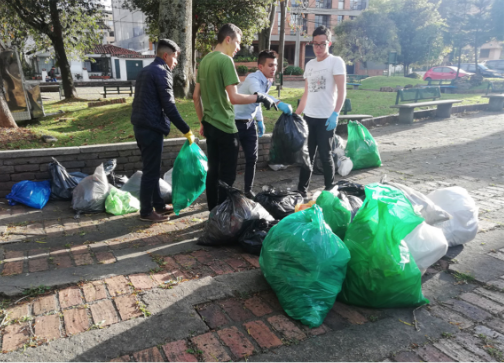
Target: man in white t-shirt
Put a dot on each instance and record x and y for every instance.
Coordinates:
(323, 98)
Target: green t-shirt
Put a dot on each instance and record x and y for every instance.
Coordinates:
(217, 71)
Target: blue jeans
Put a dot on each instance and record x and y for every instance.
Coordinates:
(150, 144)
(247, 132)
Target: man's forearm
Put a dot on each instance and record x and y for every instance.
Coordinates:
(199, 109)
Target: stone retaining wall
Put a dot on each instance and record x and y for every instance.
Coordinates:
(33, 164)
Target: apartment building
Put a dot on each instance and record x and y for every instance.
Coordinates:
(303, 16)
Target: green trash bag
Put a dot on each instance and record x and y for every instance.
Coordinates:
(337, 212)
(119, 202)
(305, 264)
(381, 272)
(189, 176)
(361, 148)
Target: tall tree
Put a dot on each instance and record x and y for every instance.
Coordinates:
(265, 34)
(497, 15)
(479, 25)
(418, 24)
(175, 23)
(370, 37)
(6, 119)
(70, 27)
(281, 45)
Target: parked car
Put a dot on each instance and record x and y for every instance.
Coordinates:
(484, 71)
(444, 73)
(496, 65)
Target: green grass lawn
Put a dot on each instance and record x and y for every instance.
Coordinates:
(80, 125)
(384, 81)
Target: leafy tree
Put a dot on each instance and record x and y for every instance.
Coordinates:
(419, 25)
(370, 37)
(479, 25)
(70, 27)
(497, 15)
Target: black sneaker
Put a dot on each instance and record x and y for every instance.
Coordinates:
(250, 194)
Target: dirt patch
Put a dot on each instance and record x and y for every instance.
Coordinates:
(10, 137)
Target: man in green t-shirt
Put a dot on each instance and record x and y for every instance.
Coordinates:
(216, 88)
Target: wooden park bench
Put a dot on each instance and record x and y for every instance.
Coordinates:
(50, 87)
(406, 111)
(445, 85)
(495, 94)
(117, 88)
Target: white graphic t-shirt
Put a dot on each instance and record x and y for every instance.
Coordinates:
(322, 92)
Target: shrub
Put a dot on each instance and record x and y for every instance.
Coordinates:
(242, 70)
(253, 69)
(414, 75)
(295, 71)
(476, 80)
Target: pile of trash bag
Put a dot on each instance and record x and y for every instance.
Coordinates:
(337, 211)
(342, 164)
(289, 141)
(381, 272)
(90, 194)
(305, 263)
(361, 147)
(462, 227)
(115, 180)
(227, 220)
(62, 182)
(132, 186)
(189, 176)
(119, 202)
(427, 244)
(30, 193)
(253, 235)
(351, 188)
(278, 203)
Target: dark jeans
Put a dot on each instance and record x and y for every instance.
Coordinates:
(222, 153)
(321, 139)
(150, 144)
(247, 133)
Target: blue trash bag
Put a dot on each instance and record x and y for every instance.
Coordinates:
(32, 194)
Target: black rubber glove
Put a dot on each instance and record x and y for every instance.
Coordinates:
(267, 101)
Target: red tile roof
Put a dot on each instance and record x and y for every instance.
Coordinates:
(113, 50)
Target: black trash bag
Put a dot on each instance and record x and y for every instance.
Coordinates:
(117, 180)
(62, 182)
(338, 143)
(253, 235)
(355, 203)
(77, 175)
(350, 188)
(289, 142)
(279, 203)
(226, 221)
(109, 166)
(90, 195)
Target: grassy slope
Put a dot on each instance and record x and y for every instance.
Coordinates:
(81, 125)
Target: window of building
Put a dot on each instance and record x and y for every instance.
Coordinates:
(357, 5)
(485, 53)
(340, 18)
(341, 4)
(323, 4)
(322, 20)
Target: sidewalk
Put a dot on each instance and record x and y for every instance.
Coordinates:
(116, 288)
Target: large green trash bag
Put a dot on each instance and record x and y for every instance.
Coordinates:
(119, 202)
(189, 176)
(381, 272)
(361, 147)
(337, 212)
(305, 264)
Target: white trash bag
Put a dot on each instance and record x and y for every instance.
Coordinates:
(168, 176)
(345, 165)
(431, 212)
(277, 167)
(90, 194)
(133, 186)
(463, 226)
(427, 244)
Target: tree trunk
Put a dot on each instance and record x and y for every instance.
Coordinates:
(6, 119)
(59, 50)
(281, 44)
(405, 70)
(265, 34)
(459, 60)
(175, 23)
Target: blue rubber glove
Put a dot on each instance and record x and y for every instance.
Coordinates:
(260, 128)
(332, 121)
(285, 108)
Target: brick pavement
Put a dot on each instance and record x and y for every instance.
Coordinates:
(462, 151)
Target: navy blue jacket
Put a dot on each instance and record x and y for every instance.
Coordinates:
(154, 104)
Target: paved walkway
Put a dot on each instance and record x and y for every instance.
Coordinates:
(105, 287)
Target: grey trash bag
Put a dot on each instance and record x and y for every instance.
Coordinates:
(338, 144)
(427, 208)
(226, 221)
(133, 186)
(90, 194)
(62, 182)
